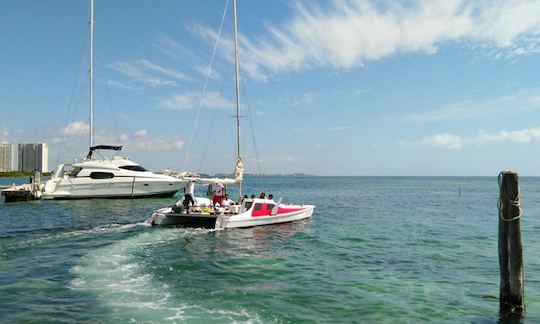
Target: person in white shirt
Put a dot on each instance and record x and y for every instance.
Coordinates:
(226, 202)
(188, 193)
(217, 193)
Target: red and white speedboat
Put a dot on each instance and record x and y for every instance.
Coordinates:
(252, 212)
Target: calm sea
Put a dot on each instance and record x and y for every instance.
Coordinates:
(377, 249)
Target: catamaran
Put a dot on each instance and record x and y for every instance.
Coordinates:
(106, 177)
(249, 212)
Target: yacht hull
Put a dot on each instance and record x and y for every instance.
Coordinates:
(66, 196)
(119, 187)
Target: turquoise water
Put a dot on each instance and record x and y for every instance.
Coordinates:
(376, 250)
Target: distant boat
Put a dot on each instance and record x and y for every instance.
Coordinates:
(114, 177)
(251, 212)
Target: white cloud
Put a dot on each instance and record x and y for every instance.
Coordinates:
(163, 70)
(519, 136)
(140, 140)
(454, 142)
(347, 34)
(76, 128)
(191, 100)
(122, 85)
(177, 52)
(4, 133)
(449, 141)
(141, 132)
(203, 70)
(171, 47)
(159, 143)
(522, 101)
(149, 73)
(249, 55)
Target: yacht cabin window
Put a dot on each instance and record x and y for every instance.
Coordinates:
(75, 171)
(101, 175)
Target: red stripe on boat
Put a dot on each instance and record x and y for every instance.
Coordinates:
(264, 209)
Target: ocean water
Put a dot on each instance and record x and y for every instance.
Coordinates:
(377, 250)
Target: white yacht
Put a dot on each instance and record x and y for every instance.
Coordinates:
(115, 177)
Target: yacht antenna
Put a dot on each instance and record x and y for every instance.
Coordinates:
(91, 72)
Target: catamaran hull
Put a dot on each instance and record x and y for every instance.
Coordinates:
(167, 217)
(183, 220)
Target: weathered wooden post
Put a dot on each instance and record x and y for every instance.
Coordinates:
(510, 248)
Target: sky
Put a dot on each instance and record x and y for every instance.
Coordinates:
(341, 87)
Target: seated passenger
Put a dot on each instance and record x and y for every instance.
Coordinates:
(226, 202)
(263, 195)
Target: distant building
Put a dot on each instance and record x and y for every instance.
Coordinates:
(33, 156)
(6, 157)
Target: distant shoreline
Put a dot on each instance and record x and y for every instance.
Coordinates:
(15, 174)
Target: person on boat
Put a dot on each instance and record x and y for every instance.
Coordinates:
(271, 198)
(226, 201)
(263, 195)
(252, 196)
(188, 193)
(241, 199)
(217, 193)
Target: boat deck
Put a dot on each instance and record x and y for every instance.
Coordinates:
(23, 192)
(203, 220)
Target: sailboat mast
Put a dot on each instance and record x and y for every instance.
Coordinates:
(91, 73)
(237, 77)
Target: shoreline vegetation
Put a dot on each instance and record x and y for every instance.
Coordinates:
(15, 174)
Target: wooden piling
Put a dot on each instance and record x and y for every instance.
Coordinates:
(510, 249)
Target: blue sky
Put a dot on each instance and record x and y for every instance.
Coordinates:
(328, 87)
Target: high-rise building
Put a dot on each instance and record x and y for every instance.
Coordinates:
(33, 156)
(6, 157)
